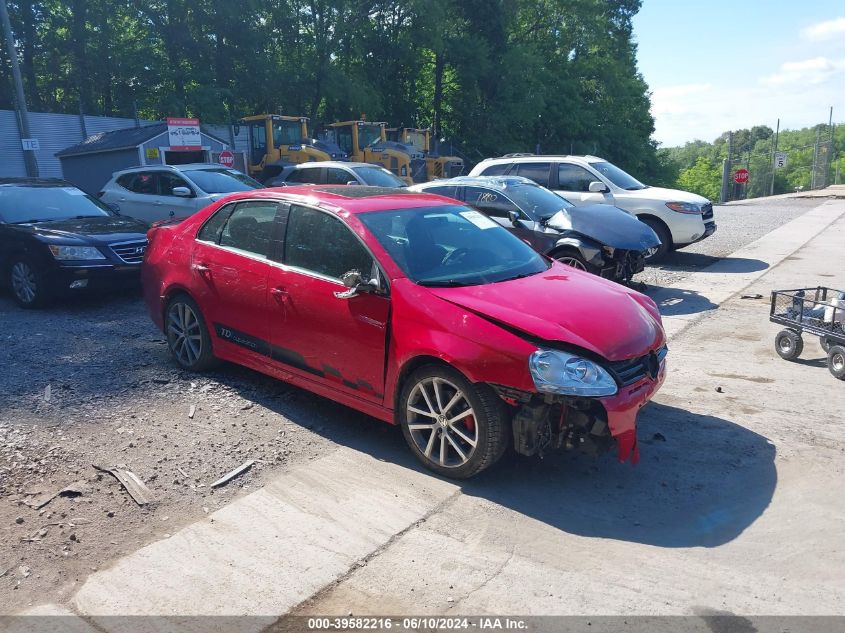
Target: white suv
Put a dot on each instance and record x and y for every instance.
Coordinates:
(159, 192)
(679, 218)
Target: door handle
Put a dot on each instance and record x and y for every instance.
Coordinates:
(280, 294)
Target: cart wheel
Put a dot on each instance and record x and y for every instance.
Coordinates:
(836, 361)
(789, 344)
(825, 343)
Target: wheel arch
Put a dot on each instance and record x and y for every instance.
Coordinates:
(410, 366)
(657, 219)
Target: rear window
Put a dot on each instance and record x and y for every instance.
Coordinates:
(34, 203)
(496, 170)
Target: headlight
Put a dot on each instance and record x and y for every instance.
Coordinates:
(570, 375)
(685, 207)
(75, 252)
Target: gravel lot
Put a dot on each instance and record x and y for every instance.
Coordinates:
(91, 382)
(738, 224)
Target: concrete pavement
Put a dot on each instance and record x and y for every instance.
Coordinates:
(734, 506)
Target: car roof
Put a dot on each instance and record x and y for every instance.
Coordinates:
(335, 163)
(351, 198)
(532, 158)
(188, 167)
(500, 183)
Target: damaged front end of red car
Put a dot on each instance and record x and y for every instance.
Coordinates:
(549, 422)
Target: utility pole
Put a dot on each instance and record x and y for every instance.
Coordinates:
(726, 171)
(23, 116)
(772, 161)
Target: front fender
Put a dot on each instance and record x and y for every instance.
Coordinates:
(590, 250)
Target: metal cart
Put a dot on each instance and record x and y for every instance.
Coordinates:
(819, 311)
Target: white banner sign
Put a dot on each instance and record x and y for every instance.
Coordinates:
(184, 134)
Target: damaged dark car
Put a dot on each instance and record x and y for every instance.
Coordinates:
(600, 239)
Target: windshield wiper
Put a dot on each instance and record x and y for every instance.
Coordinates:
(520, 276)
(446, 283)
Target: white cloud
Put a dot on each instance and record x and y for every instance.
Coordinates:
(676, 99)
(809, 71)
(824, 30)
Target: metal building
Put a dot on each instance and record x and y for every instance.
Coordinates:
(90, 164)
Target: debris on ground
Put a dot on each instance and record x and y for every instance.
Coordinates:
(24, 571)
(231, 475)
(136, 488)
(192, 411)
(40, 498)
(48, 392)
(754, 296)
(719, 390)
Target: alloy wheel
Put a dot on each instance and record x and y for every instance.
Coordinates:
(24, 284)
(442, 422)
(184, 333)
(573, 262)
(837, 361)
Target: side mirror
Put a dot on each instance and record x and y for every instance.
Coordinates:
(513, 216)
(598, 187)
(182, 192)
(356, 284)
(351, 182)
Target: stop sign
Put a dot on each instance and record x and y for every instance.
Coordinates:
(227, 158)
(741, 176)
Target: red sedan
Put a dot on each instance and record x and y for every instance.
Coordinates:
(414, 309)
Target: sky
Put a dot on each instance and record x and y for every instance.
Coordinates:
(721, 65)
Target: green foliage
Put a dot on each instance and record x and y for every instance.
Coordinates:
(703, 178)
(499, 75)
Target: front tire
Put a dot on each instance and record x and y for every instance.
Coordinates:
(658, 253)
(187, 334)
(454, 427)
(836, 361)
(789, 344)
(575, 260)
(28, 284)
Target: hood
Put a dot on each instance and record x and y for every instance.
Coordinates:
(567, 306)
(97, 229)
(664, 195)
(606, 224)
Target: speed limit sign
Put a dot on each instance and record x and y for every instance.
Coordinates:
(780, 160)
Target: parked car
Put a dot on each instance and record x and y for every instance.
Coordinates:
(165, 191)
(331, 172)
(55, 239)
(412, 308)
(600, 239)
(679, 218)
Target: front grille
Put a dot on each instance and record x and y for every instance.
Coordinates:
(130, 252)
(628, 372)
(707, 212)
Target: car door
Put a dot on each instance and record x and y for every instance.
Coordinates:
(229, 271)
(497, 206)
(140, 197)
(573, 183)
(337, 341)
(173, 205)
(538, 172)
(306, 176)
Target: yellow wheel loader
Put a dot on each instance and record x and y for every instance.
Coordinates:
(366, 142)
(436, 166)
(276, 141)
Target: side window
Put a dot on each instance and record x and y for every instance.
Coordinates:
(258, 135)
(490, 202)
(336, 176)
(321, 243)
(574, 178)
(449, 192)
(125, 181)
(210, 231)
(144, 182)
(538, 172)
(168, 181)
(344, 139)
(496, 170)
(305, 175)
(250, 227)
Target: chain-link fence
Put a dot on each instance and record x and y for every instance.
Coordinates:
(784, 169)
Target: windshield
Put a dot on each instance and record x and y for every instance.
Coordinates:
(538, 202)
(33, 203)
(286, 133)
(221, 180)
(618, 177)
(368, 134)
(452, 246)
(378, 177)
